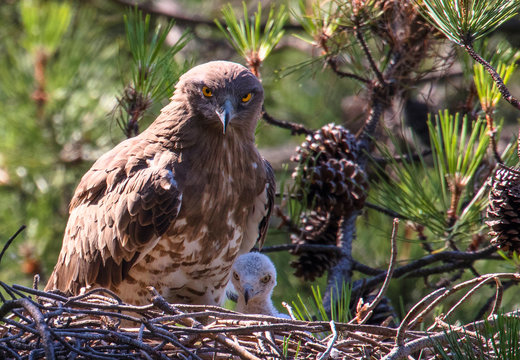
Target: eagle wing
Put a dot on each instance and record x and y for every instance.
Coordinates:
(258, 221)
(270, 194)
(121, 207)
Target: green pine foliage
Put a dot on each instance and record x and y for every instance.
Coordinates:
(504, 59)
(498, 339)
(468, 20)
(58, 83)
(153, 71)
(428, 194)
(312, 309)
(61, 76)
(247, 36)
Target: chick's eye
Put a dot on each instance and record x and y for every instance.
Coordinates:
(247, 97)
(266, 279)
(235, 275)
(207, 91)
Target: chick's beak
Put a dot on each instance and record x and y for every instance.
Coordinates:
(226, 113)
(248, 293)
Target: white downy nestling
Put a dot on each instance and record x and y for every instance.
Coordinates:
(254, 277)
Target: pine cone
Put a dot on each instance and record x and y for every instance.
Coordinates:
(503, 212)
(317, 228)
(328, 175)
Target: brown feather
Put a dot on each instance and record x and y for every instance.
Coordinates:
(271, 192)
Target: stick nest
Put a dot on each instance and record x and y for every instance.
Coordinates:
(98, 325)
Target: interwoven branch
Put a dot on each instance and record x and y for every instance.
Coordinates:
(418, 266)
(98, 326)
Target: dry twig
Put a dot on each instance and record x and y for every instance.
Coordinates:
(97, 326)
(368, 310)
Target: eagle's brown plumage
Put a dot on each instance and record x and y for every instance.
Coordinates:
(174, 206)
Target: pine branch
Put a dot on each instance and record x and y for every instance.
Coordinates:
(401, 158)
(494, 74)
(364, 314)
(300, 248)
(492, 138)
(441, 269)
(385, 211)
(412, 267)
(341, 273)
(365, 269)
(334, 67)
(296, 129)
(380, 96)
(376, 111)
(436, 78)
(368, 54)
(286, 222)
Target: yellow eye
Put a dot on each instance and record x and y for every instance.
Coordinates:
(247, 97)
(266, 278)
(207, 91)
(235, 275)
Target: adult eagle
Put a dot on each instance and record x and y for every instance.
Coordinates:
(174, 206)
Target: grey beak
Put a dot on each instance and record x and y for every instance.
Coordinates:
(248, 291)
(226, 113)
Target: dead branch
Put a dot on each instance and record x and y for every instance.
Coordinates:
(427, 304)
(97, 326)
(296, 129)
(416, 265)
(10, 241)
(428, 341)
(331, 342)
(368, 310)
(492, 300)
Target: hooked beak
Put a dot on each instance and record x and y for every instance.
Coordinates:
(248, 292)
(226, 113)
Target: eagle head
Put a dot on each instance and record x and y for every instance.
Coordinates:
(223, 95)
